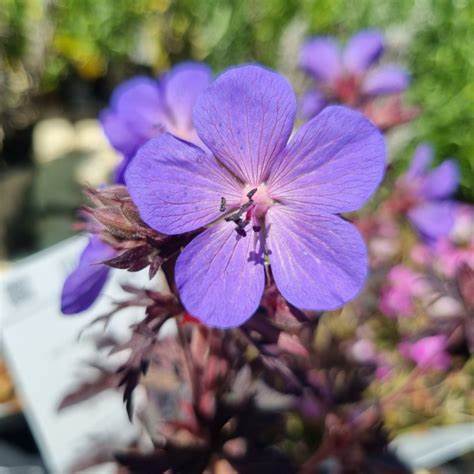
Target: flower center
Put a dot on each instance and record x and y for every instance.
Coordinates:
(254, 205)
(261, 199)
(347, 89)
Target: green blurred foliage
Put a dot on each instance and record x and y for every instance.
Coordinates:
(441, 59)
(91, 34)
(96, 37)
(12, 27)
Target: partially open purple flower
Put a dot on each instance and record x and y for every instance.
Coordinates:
(428, 191)
(84, 284)
(428, 352)
(142, 108)
(345, 75)
(261, 199)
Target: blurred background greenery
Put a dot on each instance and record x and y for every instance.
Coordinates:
(63, 58)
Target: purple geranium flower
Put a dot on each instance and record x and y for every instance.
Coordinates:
(261, 199)
(142, 108)
(427, 192)
(346, 75)
(428, 352)
(85, 283)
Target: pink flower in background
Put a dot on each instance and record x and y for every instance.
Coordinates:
(364, 351)
(457, 250)
(398, 296)
(428, 352)
(450, 258)
(383, 371)
(422, 254)
(390, 112)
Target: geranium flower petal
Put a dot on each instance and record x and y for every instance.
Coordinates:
(319, 262)
(220, 276)
(312, 103)
(421, 160)
(362, 50)
(139, 103)
(321, 57)
(433, 219)
(177, 186)
(84, 284)
(118, 133)
(442, 181)
(388, 79)
(182, 86)
(119, 171)
(245, 118)
(333, 164)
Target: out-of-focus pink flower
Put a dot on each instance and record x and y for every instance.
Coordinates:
(450, 258)
(421, 254)
(383, 371)
(398, 296)
(390, 112)
(465, 280)
(364, 351)
(428, 352)
(458, 249)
